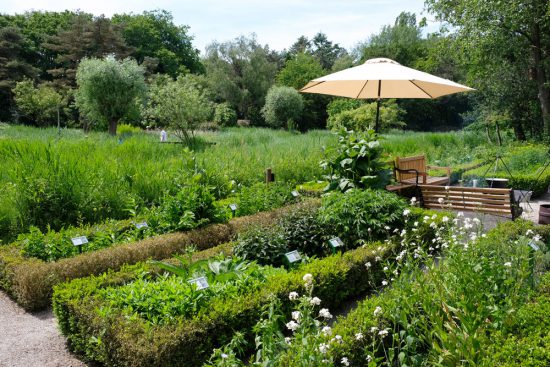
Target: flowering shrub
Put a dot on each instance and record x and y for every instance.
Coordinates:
(444, 312)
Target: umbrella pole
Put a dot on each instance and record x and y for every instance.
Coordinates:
(377, 115)
(376, 126)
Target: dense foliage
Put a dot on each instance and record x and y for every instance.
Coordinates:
(283, 107)
(356, 162)
(108, 90)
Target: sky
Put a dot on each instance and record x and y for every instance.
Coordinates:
(276, 23)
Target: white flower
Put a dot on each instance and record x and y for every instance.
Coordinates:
(406, 212)
(292, 325)
(293, 296)
(377, 258)
(377, 310)
(460, 214)
(537, 238)
(327, 330)
(383, 333)
(287, 340)
(369, 358)
(447, 187)
(434, 216)
(445, 219)
(345, 361)
(387, 228)
(368, 264)
(373, 329)
(315, 301)
(508, 264)
(323, 348)
(336, 339)
(224, 356)
(359, 336)
(296, 315)
(308, 278)
(415, 224)
(413, 200)
(476, 220)
(529, 232)
(324, 312)
(384, 282)
(440, 200)
(385, 268)
(373, 144)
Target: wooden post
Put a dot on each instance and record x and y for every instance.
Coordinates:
(269, 176)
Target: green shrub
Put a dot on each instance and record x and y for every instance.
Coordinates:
(224, 115)
(265, 245)
(283, 107)
(363, 117)
(356, 162)
(361, 215)
(125, 130)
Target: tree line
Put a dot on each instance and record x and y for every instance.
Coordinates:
(501, 49)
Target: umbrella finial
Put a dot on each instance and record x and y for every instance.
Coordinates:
(380, 60)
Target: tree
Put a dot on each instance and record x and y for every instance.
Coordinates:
(36, 27)
(296, 73)
(181, 104)
(13, 67)
(283, 107)
(240, 72)
(503, 31)
(325, 51)
(401, 42)
(39, 105)
(86, 37)
(153, 34)
(108, 89)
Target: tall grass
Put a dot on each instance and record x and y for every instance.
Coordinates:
(54, 180)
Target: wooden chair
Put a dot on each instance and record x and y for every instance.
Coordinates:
(413, 170)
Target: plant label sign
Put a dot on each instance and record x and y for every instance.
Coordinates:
(534, 246)
(233, 207)
(295, 193)
(336, 242)
(79, 241)
(142, 225)
(293, 256)
(200, 283)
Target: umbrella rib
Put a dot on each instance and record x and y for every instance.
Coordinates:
(311, 86)
(416, 85)
(364, 85)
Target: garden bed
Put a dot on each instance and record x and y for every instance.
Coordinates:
(104, 329)
(30, 281)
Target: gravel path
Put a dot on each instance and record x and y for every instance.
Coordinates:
(29, 340)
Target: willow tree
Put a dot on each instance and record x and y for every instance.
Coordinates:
(108, 89)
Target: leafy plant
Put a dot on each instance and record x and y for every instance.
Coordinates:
(356, 162)
(265, 245)
(283, 105)
(361, 215)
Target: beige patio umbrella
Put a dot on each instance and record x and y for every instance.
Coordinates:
(383, 78)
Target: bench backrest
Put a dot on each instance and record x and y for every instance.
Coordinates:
(417, 162)
(475, 199)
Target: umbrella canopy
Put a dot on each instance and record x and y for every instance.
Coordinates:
(383, 78)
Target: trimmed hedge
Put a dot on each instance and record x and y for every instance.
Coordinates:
(115, 340)
(526, 339)
(30, 281)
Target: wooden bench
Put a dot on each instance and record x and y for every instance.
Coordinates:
(498, 202)
(413, 170)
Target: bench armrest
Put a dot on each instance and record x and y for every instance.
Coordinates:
(423, 174)
(448, 169)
